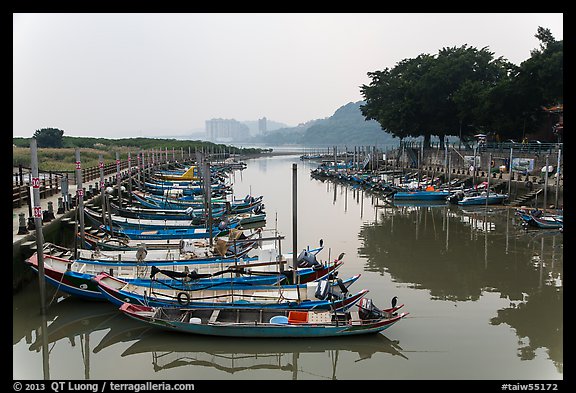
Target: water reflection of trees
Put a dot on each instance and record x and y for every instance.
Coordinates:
(442, 250)
(546, 333)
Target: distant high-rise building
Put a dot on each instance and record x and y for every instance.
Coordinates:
(262, 126)
(226, 130)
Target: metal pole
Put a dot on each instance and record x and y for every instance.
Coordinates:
(129, 178)
(138, 168)
(488, 185)
(510, 174)
(449, 170)
(295, 220)
(557, 178)
(445, 158)
(102, 190)
(208, 188)
(118, 179)
(546, 186)
(474, 166)
(37, 213)
(80, 196)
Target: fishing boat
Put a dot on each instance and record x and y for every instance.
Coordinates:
(98, 239)
(536, 218)
(427, 194)
(323, 295)
(172, 188)
(248, 204)
(74, 276)
(480, 198)
(188, 174)
(194, 215)
(220, 229)
(236, 245)
(160, 222)
(266, 322)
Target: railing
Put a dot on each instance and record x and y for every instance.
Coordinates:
(538, 148)
(50, 182)
(48, 186)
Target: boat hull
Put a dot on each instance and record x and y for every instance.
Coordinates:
(258, 329)
(421, 195)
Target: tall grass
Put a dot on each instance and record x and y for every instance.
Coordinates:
(64, 159)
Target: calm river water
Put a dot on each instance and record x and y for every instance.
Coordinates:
(485, 298)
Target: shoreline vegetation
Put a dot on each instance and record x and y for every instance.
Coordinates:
(64, 159)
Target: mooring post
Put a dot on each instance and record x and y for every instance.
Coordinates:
(102, 190)
(80, 197)
(488, 184)
(557, 178)
(49, 215)
(208, 189)
(129, 178)
(118, 179)
(545, 202)
(22, 230)
(60, 206)
(295, 221)
(510, 175)
(37, 212)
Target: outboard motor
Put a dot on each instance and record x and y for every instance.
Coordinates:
(322, 289)
(457, 196)
(368, 310)
(307, 259)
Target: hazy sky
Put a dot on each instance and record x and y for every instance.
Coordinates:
(153, 75)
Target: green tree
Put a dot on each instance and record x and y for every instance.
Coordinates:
(463, 90)
(430, 95)
(49, 137)
(394, 98)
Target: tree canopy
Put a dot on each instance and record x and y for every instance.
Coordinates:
(49, 137)
(461, 91)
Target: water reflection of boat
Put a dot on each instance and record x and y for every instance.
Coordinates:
(121, 330)
(70, 318)
(418, 203)
(170, 350)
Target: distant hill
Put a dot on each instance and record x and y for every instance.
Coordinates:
(347, 126)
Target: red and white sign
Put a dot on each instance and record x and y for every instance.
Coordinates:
(37, 211)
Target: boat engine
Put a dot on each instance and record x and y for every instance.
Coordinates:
(368, 310)
(322, 289)
(457, 196)
(307, 259)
